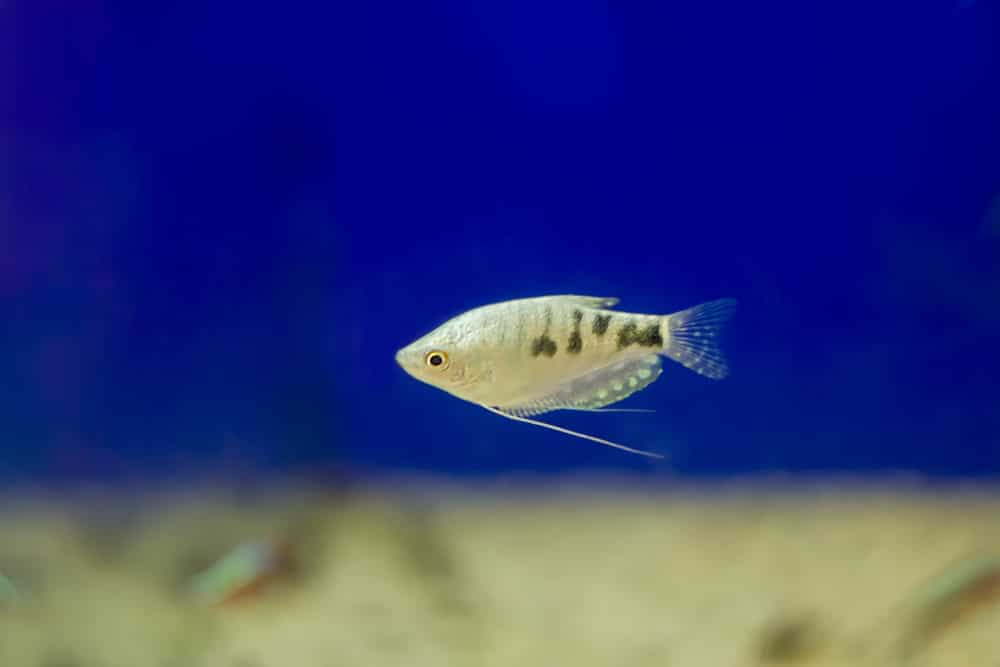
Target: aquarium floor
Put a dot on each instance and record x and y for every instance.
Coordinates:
(580, 575)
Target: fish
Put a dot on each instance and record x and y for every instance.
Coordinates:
(241, 573)
(526, 357)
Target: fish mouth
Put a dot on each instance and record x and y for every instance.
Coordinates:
(401, 359)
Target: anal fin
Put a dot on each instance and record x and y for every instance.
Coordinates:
(595, 389)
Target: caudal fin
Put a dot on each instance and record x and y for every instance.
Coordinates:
(694, 337)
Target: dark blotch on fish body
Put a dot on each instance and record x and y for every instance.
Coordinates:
(651, 336)
(543, 345)
(601, 323)
(630, 334)
(575, 340)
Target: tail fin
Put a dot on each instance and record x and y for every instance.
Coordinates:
(694, 334)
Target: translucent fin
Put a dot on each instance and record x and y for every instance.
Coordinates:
(577, 434)
(694, 337)
(592, 301)
(595, 389)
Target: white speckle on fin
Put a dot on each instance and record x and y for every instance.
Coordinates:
(595, 389)
(693, 337)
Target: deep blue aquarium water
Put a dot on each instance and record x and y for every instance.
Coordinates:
(218, 222)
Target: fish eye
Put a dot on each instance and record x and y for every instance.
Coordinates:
(437, 359)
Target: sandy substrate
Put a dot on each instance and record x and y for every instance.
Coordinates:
(587, 574)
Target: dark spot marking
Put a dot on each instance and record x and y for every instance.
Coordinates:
(601, 324)
(630, 334)
(575, 343)
(543, 345)
(626, 335)
(575, 340)
(650, 336)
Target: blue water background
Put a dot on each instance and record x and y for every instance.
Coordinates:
(219, 221)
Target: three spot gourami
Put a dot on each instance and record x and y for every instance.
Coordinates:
(526, 357)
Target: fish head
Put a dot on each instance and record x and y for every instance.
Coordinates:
(443, 359)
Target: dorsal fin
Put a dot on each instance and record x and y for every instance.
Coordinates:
(592, 301)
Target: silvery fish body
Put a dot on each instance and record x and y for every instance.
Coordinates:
(530, 356)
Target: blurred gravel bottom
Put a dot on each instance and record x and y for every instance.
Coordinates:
(508, 574)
